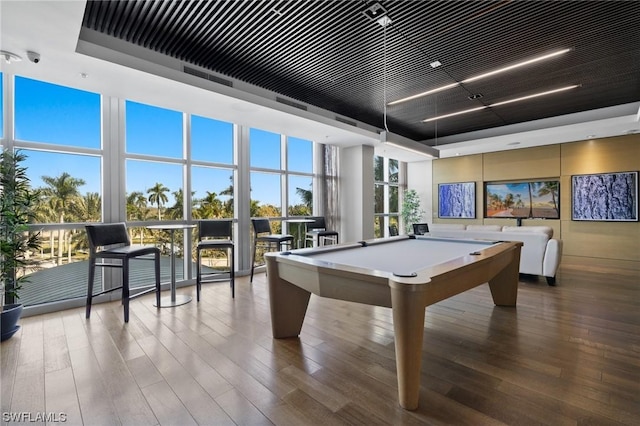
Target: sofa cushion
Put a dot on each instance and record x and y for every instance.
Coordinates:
(535, 229)
(448, 226)
(491, 228)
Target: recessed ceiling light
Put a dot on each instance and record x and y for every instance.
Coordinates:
(375, 11)
(476, 96)
(84, 75)
(435, 64)
(591, 136)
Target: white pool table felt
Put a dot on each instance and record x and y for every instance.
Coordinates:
(403, 256)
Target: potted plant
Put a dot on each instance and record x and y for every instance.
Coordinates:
(411, 211)
(17, 210)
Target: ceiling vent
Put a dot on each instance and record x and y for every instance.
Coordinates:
(345, 121)
(291, 103)
(207, 76)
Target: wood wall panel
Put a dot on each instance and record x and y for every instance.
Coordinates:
(619, 154)
(594, 241)
(605, 240)
(458, 169)
(526, 163)
(608, 240)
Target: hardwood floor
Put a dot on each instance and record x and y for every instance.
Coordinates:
(566, 355)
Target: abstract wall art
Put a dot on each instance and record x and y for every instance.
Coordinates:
(605, 197)
(457, 200)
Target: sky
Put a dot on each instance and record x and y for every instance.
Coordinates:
(55, 114)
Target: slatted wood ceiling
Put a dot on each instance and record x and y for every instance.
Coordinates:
(328, 54)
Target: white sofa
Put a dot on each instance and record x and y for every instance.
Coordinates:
(540, 254)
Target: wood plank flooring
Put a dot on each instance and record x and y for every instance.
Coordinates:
(567, 355)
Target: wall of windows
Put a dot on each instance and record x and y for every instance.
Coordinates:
(386, 172)
(105, 159)
(281, 174)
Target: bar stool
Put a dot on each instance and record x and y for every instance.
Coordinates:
(115, 234)
(215, 235)
(269, 241)
(317, 232)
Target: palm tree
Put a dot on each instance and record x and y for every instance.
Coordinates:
(46, 213)
(228, 204)
(87, 209)
(62, 194)
(508, 200)
(137, 210)
(90, 207)
(306, 195)
(530, 199)
(177, 210)
(254, 208)
(157, 195)
(211, 206)
(550, 187)
(136, 203)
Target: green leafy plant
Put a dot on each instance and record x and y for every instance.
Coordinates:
(17, 210)
(411, 211)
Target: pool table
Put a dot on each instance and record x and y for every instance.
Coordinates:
(405, 273)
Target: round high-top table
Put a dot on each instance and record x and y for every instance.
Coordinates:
(180, 299)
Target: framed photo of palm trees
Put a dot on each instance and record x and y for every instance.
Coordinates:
(608, 197)
(525, 199)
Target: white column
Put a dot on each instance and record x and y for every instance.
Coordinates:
(356, 193)
(420, 178)
(242, 198)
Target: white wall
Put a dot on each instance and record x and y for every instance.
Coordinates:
(356, 193)
(420, 178)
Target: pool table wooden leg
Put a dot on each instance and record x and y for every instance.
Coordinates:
(408, 307)
(288, 303)
(504, 286)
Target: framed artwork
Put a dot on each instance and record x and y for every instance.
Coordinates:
(524, 199)
(609, 197)
(457, 200)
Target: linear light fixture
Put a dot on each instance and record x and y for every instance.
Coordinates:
(388, 138)
(428, 92)
(484, 75)
(454, 113)
(535, 95)
(517, 65)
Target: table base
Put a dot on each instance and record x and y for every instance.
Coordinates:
(166, 302)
